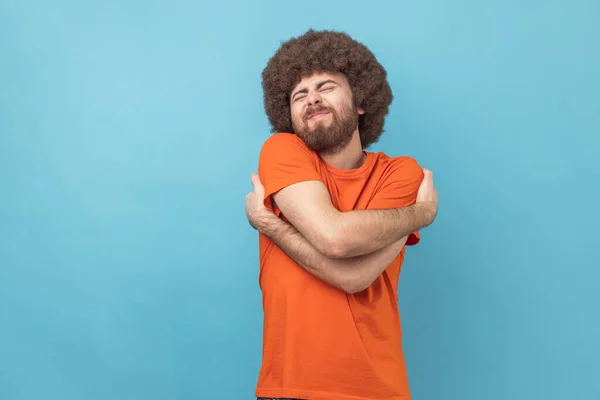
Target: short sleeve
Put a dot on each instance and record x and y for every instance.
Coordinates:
(399, 188)
(285, 160)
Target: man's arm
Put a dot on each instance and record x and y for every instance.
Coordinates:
(290, 173)
(351, 275)
(308, 207)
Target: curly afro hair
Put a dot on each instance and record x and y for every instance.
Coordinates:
(329, 52)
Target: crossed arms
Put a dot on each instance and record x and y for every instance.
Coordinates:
(347, 250)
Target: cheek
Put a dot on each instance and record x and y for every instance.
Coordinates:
(334, 102)
(296, 114)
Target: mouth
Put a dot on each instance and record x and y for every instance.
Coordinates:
(317, 115)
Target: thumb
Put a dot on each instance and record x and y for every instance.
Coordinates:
(427, 174)
(256, 181)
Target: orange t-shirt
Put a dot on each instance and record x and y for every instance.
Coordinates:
(320, 343)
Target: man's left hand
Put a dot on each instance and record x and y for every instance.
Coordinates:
(256, 211)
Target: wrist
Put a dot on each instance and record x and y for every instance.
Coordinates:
(266, 224)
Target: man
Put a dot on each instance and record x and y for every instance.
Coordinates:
(334, 222)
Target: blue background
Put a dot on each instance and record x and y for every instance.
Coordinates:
(128, 130)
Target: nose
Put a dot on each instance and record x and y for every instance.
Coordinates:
(313, 97)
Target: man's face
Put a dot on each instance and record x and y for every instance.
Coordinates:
(323, 112)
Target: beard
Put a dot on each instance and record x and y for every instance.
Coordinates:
(328, 138)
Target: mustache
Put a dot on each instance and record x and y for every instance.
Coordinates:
(310, 111)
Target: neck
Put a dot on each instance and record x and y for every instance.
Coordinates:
(350, 157)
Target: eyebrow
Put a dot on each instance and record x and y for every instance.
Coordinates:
(319, 85)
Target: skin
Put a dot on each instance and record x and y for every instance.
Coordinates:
(348, 250)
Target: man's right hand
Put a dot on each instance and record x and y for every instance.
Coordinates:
(427, 195)
(258, 215)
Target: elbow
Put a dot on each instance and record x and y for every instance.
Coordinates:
(330, 237)
(354, 284)
(353, 287)
(333, 245)
(335, 250)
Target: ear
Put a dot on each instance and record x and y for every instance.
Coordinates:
(360, 111)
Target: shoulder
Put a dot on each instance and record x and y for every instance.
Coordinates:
(286, 150)
(407, 164)
(400, 167)
(398, 181)
(284, 142)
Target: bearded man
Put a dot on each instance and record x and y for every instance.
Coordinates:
(334, 221)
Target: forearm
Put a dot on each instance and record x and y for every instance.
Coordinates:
(365, 231)
(350, 274)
